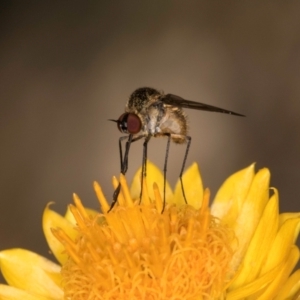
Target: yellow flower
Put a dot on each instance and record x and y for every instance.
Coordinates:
(240, 248)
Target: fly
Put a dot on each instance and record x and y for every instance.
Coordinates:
(151, 113)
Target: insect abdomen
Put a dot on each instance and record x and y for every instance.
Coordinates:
(176, 125)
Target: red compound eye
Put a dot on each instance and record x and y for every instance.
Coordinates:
(129, 123)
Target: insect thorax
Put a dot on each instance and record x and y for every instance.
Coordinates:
(142, 98)
(157, 118)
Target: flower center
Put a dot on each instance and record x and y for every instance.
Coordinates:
(137, 252)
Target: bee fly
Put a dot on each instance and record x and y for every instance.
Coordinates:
(150, 113)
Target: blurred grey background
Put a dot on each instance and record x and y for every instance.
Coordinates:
(69, 66)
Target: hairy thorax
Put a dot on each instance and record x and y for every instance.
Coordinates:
(158, 119)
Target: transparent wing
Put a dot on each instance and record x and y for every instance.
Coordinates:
(178, 101)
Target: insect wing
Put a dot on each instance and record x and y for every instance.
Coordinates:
(174, 100)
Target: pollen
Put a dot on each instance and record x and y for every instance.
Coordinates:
(136, 251)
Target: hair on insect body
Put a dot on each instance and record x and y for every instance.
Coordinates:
(151, 113)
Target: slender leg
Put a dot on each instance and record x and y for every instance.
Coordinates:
(124, 166)
(165, 170)
(188, 144)
(124, 163)
(125, 160)
(121, 139)
(144, 163)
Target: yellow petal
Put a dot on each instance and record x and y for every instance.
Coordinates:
(250, 214)
(252, 287)
(51, 219)
(280, 248)
(232, 194)
(30, 272)
(193, 187)
(259, 247)
(11, 293)
(275, 286)
(290, 288)
(153, 175)
(285, 216)
(69, 216)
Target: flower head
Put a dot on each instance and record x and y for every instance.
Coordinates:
(239, 248)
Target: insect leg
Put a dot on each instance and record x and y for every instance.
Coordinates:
(165, 169)
(124, 166)
(188, 144)
(121, 139)
(127, 147)
(144, 163)
(124, 163)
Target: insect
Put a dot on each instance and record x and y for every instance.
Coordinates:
(151, 113)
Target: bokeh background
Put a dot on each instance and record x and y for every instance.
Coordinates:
(69, 66)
